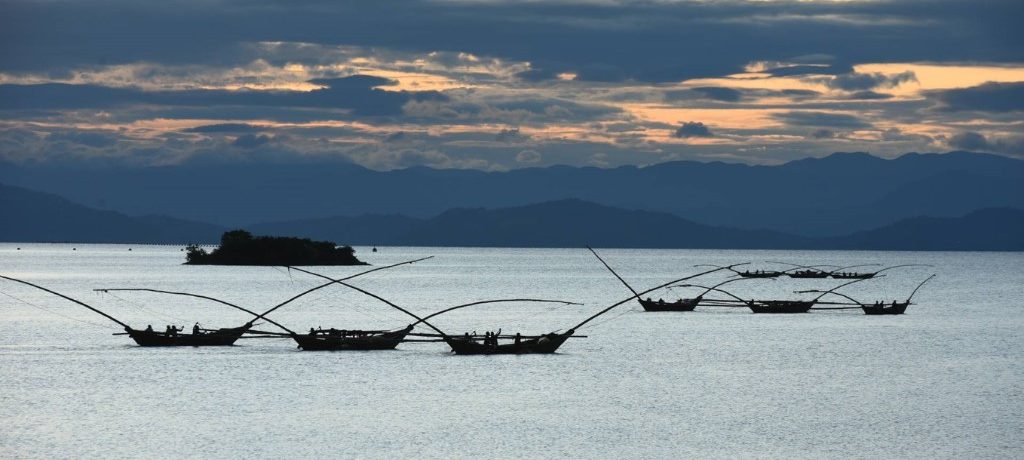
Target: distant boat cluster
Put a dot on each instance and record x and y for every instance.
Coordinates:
(487, 343)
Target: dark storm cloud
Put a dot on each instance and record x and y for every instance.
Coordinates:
(821, 119)
(356, 93)
(693, 129)
(990, 97)
(646, 41)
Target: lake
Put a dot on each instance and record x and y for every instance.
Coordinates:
(945, 380)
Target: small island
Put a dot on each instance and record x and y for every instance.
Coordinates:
(239, 247)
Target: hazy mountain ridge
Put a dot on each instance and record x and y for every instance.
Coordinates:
(30, 216)
(40, 217)
(834, 195)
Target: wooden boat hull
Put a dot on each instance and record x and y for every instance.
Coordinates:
(780, 307)
(858, 276)
(760, 275)
(681, 305)
(219, 338)
(547, 343)
(808, 275)
(324, 342)
(890, 309)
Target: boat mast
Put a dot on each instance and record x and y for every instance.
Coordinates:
(68, 298)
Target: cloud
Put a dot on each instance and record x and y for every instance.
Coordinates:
(693, 129)
(528, 157)
(977, 142)
(989, 97)
(223, 128)
(855, 81)
(821, 119)
(357, 93)
(604, 40)
(507, 135)
(823, 134)
(869, 95)
(92, 139)
(250, 141)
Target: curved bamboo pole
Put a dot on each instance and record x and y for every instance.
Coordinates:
(919, 287)
(126, 327)
(715, 287)
(492, 301)
(286, 302)
(200, 297)
(901, 266)
(797, 267)
(613, 271)
(375, 296)
(840, 269)
(823, 293)
(637, 295)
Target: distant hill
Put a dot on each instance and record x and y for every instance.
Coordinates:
(32, 216)
(994, 229)
(572, 223)
(29, 216)
(831, 196)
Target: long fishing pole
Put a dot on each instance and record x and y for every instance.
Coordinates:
(375, 296)
(637, 295)
(126, 327)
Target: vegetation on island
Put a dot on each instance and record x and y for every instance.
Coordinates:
(239, 247)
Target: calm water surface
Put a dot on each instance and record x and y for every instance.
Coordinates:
(944, 380)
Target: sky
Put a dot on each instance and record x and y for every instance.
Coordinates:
(502, 85)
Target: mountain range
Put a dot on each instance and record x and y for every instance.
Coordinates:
(823, 197)
(40, 217)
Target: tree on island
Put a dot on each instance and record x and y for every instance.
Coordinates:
(239, 247)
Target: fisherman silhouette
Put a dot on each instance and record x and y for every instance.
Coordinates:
(149, 328)
(195, 329)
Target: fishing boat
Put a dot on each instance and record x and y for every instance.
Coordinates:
(804, 271)
(334, 339)
(471, 343)
(475, 345)
(491, 344)
(169, 338)
(807, 273)
(841, 273)
(771, 306)
(660, 305)
(228, 336)
(780, 306)
(201, 338)
(880, 307)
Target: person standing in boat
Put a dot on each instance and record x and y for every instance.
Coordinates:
(195, 329)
